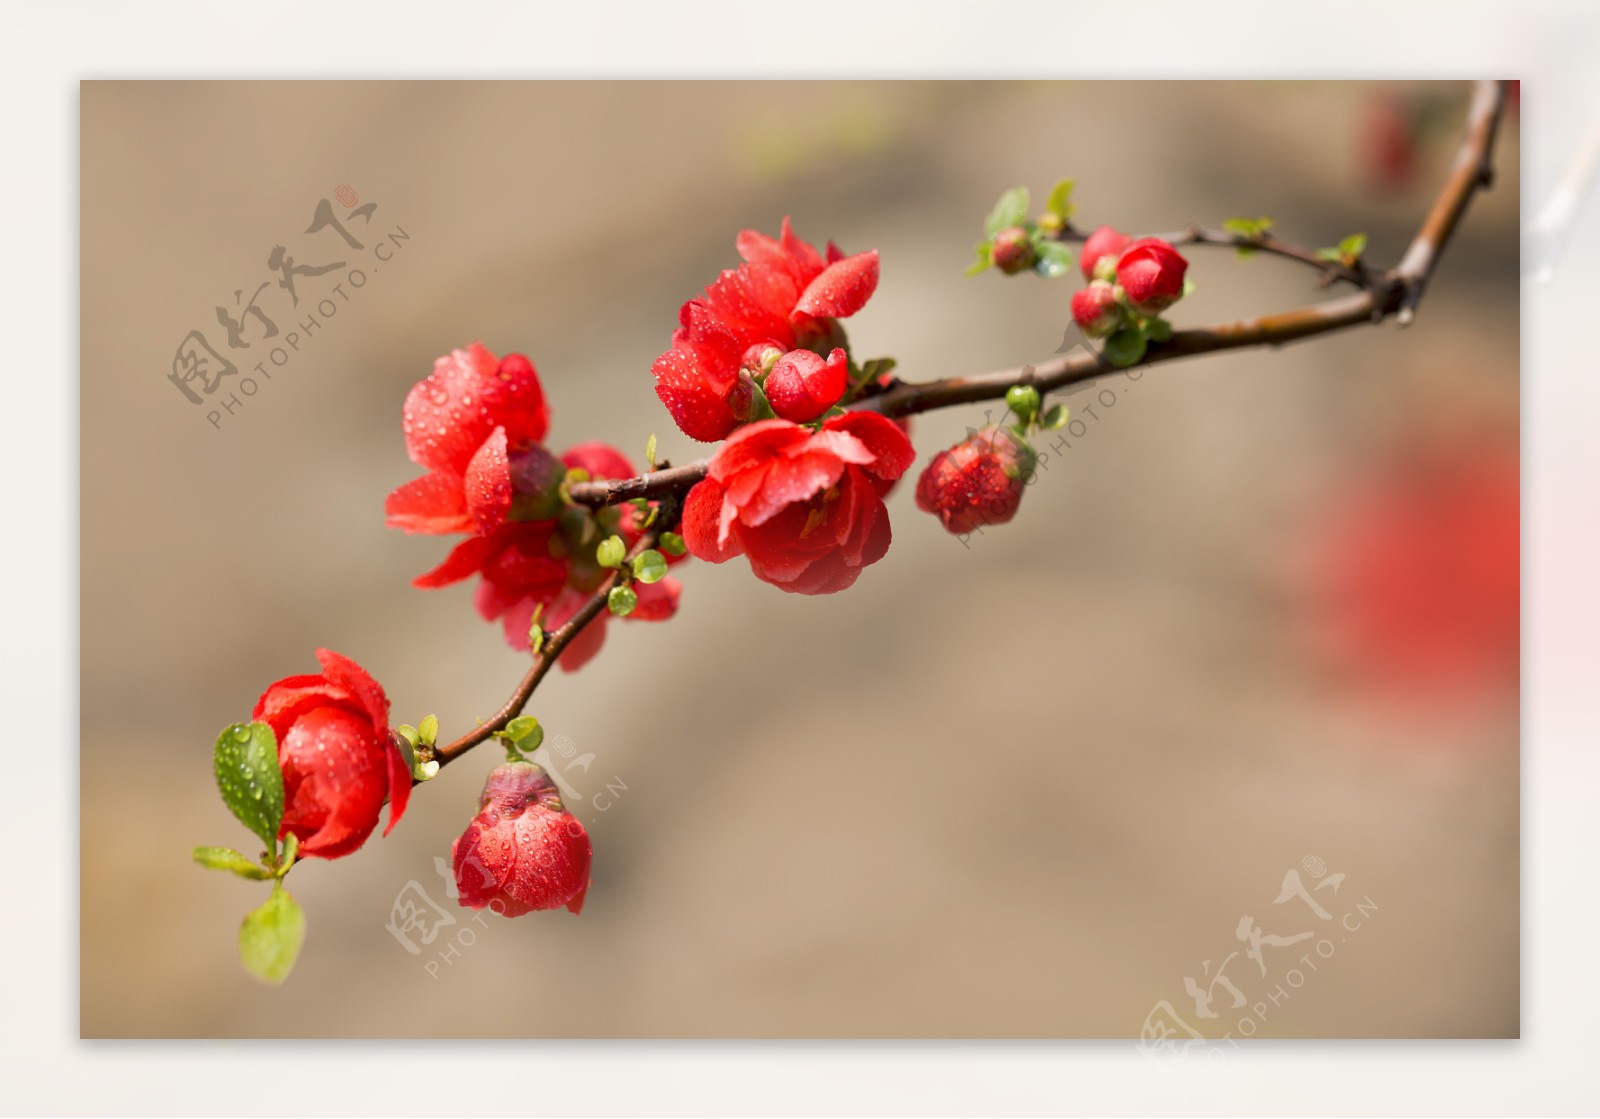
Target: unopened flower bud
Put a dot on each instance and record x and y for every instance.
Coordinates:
(1013, 252)
(1151, 273)
(1100, 252)
(524, 850)
(760, 358)
(803, 385)
(977, 482)
(1095, 309)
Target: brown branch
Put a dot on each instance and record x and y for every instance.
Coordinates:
(1328, 270)
(1396, 292)
(556, 641)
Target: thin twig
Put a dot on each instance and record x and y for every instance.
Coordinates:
(1394, 293)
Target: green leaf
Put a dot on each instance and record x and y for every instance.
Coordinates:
(611, 551)
(1059, 203)
(525, 731)
(985, 258)
(270, 937)
(1188, 288)
(650, 452)
(621, 601)
(672, 544)
(1157, 329)
(1056, 418)
(649, 566)
(1125, 347)
(235, 862)
(1248, 227)
(1329, 254)
(1053, 259)
(1353, 246)
(1244, 252)
(1012, 209)
(246, 765)
(428, 730)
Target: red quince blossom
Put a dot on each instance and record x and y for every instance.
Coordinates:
(551, 563)
(805, 506)
(338, 756)
(785, 294)
(1095, 310)
(524, 850)
(1104, 242)
(464, 423)
(978, 482)
(1151, 274)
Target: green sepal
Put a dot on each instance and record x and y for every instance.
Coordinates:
(234, 862)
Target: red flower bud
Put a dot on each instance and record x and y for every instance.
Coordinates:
(524, 850)
(802, 385)
(1095, 309)
(338, 756)
(977, 482)
(1013, 252)
(1104, 243)
(1151, 273)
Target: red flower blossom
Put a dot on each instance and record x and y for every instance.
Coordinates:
(805, 507)
(784, 294)
(1104, 242)
(977, 482)
(1151, 273)
(524, 850)
(526, 564)
(466, 423)
(338, 756)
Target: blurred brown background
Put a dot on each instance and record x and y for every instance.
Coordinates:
(1018, 787)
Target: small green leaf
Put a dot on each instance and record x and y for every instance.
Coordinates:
(1329, 254)
(235, 862)
(1010, 210)
(985, 257)
(621, 601)
(428, 730)
(1188, 288)
(1353, 246)
(525, 731)
(270, 937)
(672, 544)
(1053, 259)
(611, 551)
(246, 765)
(1056, 418)
(650, 452)
(535, 638)
(1248, 227)
(409, 733)
(1157, 329)
(1244, 252)
(649, 566)
(1060, 201)
(1125, 347)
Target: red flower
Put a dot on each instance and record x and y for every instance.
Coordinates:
(977, 482)
(1151, 273)
(526, 564)
(524, 850)
(468, 423)
(805, 507)
(785, 294)
(338, 756)
(1103, 242)
(802, 385)
(1095, 309)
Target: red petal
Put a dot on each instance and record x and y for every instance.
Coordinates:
(843, 288)
(288, 698)
(756, 445)
(432, 504)
(347, 674)
(466, 558)
(399, 785)
(488, 483)
(702, 515)
(449, 413)
(892, 452)
(698, 408)
(657, 601)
